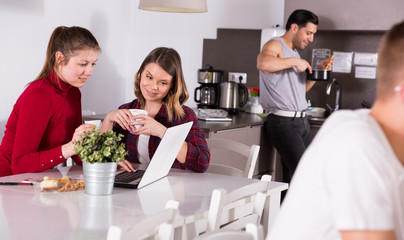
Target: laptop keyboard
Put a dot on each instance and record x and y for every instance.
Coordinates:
(127, 177)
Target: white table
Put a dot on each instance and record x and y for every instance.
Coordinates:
(27, 213)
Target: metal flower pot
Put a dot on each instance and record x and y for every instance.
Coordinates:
(97, 212)
(99, 177)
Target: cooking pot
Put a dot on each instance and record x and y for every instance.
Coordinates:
(232, 96)
(210, 75)
(318, 75)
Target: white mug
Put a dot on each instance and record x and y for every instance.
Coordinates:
(96, 123)
(137, 112)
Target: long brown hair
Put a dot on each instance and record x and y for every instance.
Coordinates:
(67, 40)
(169, 60)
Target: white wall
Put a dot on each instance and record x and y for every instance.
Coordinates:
(126, 35)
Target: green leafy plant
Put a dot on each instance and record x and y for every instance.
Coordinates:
(95, 147)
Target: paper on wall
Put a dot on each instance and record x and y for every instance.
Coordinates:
(368, 59)
(342, 62)
(365, 72)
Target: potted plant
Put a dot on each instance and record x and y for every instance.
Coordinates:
(100, 153)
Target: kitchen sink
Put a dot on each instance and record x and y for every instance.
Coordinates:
(316, 120)
(315, 125)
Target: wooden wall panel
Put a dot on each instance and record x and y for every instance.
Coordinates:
(234, 50)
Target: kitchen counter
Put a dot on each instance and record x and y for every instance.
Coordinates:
(240, 120)
(94, 117)
(315, 121)
(249, 129)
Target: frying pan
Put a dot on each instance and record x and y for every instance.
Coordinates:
(318, 75)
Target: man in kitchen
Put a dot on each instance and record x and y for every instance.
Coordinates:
(283, 86)
(350, 182)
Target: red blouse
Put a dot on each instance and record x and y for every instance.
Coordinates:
(42, 120)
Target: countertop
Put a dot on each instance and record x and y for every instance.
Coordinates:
(240, 120)
(244, 119)
(94, 117)
(316, 121)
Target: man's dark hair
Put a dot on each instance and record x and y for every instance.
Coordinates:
(301, 17)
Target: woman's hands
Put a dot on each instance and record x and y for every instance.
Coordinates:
(68, 148)
(127, 166)
(149, 126)
(123, 117)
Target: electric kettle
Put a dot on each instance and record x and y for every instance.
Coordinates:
(232, 96)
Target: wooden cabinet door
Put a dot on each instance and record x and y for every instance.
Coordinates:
(246, 135)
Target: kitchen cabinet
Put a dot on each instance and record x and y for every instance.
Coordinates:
(247, 129)
(245, 135)
(315, 125)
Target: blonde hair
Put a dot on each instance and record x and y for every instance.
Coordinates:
(169, 60)
(390, 64)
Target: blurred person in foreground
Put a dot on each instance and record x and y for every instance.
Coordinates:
(46, 119)
(350, 182)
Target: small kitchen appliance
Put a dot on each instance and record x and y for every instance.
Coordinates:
(207, 95)
(232, 96)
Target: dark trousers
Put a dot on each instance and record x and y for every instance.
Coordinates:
(290, 136)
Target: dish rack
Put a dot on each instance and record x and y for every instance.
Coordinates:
(212, 115)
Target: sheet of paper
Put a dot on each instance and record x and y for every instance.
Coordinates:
(365, 72)
(342, 62)
(368, 59)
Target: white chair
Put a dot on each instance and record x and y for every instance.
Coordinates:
(219, 167)
(159, 226)
(241, 206)
(252, 232)
(231, 211)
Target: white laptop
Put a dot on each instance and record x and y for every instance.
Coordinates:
(155, 196)
(161, 162)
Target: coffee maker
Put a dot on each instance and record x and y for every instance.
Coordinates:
(208, 94)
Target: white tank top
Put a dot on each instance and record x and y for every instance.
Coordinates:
(143, 148)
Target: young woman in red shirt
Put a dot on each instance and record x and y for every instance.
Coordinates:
(46, 118)
(160, 90)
